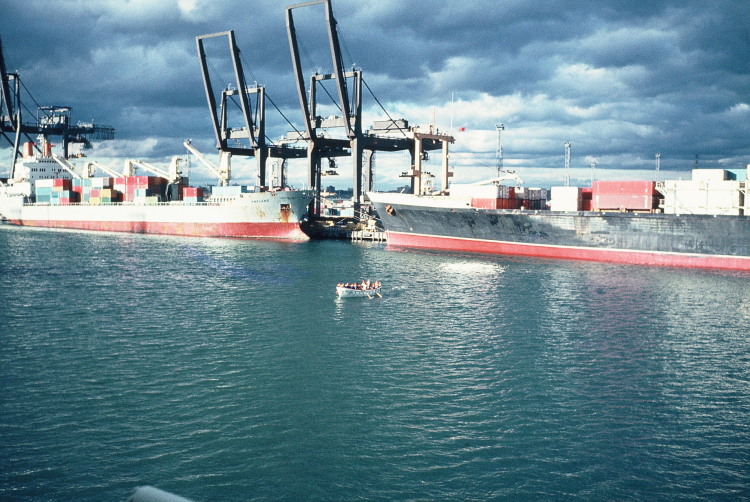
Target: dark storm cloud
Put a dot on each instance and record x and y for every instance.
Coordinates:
(621, 80)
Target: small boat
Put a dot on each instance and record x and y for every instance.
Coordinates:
(344, 292)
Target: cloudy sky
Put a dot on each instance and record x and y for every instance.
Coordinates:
(619, 80)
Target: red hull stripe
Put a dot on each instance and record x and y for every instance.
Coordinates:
(192, 229)
(691, 260)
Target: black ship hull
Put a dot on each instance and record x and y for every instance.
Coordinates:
(700, 241)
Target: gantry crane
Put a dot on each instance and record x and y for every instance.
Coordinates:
(50, 120)
(392, 135)
(249, 138)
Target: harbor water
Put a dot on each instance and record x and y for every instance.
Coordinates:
(222, 369)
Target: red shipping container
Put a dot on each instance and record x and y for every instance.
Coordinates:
(198, 192)
(625, 201)
(59, 184)
(95, 192)
(503, 203)
(511, 193)
(587, 205)
(625, 187)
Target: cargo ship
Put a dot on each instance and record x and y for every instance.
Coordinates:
(49, 191)
(702, 222)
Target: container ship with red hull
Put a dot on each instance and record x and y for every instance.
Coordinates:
(701, 223)
(48, 191)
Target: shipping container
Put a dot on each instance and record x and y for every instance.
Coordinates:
(711, 175)
(624, 187)
(61, 184)
(227, 191)
(530, 193)
(101, 182)
(704, 197)
(192, 192)
(566, 199)
(142, 192)
(502, 203)
(625, 201)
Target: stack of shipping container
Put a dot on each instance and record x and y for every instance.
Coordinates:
(710, 191)
(56, 192)
(95, 191)
(530, 198)
(500, 196)
(141, 189)
(192, 195)
(607, 196)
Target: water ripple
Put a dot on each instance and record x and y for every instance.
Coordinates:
(225, 369)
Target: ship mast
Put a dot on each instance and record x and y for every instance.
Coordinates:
(499, 153)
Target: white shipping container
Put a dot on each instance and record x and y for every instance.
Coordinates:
(101, 182)
(710, 175)
(703, 197)
(47, 183)
(566, 199)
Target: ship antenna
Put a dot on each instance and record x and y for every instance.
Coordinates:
(593, 172)
(658, 165)
(499, 154)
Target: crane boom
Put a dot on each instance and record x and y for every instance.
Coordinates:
(503, 175)
(67, 166)
(173, 176)
(224, 171)
(148, 167)
(95, 164)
